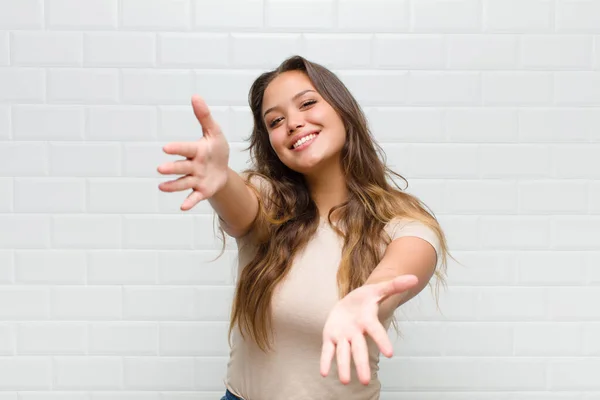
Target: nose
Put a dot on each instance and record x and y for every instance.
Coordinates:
(294, 123)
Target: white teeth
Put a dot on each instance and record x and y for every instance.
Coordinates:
(304, 140)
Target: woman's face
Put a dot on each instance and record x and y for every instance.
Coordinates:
(304, 130)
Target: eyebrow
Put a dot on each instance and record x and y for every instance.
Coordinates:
(293, 98)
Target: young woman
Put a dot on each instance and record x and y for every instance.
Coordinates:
(328, 248)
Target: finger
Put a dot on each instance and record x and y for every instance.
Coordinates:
(397, 285)
(183, 183)
(194, 198)
(343, 360)
(203, 115)
(380, 337)
(326, 356)
(185, 149)
(360, 354)
(179, 167)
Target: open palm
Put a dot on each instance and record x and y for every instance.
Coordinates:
(350, 319)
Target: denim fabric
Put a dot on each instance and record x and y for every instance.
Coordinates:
(230, 396)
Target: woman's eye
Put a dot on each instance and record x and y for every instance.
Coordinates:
(274, 122)
(308, 103)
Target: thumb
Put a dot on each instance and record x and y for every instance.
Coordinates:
(203, 115)
(397, 285)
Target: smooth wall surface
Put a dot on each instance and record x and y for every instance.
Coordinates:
(490, 109)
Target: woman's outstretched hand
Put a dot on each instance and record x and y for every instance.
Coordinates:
(353, 317)
(205, 167)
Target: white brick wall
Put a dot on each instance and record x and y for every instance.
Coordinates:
(490, 108)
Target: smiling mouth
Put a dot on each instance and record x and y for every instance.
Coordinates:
(303, 140)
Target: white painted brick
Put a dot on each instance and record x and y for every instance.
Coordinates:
(476, 197)
(9, 396)
(22, 303)
(6, 195)
(548, 268)
(80, 373)
(577, 232)
(121, 267)
(429, 190)
(455, 304)
(122, 196)
(89, 159)
(461, 231)
(577, 88)
(233, 14)
(4, 49)
(206, 234)
(213, 303)
(86, 303)
(476, 51)
(50, 267)
(158, 231)
(131, 395)
(86, 231)
(156, 86)
(443, 88)
(122, 123)
(52, 338)
(210, 372)
(97, 14)
(577, 16)
(408, 51)
(487, 268)
(194, 338)
(418, 339)
(515, 232)
(436, 160)
(178, 123)
(124, 338)
(597, 52)
(47, 49)
(25, 14)
(564, 125)
(140, 160)
(576, 161)
(512, 304)
(373, 87)
(594, 200)
(22, 85)
(300, 15)
(83, 86)
(517, 88)
(463, 373)
(338, 50)
(155, 14)
(27, 373)
(47, 122)
(7, 340)
(574, 374)
(591, 344)
(51, 195)
(196, 267)
(533, 15)
(481, 125)
(552, 197)
(477, 339)
(159, 373)
(193, 50)
(547, 339)
(5, 123)
(526, 161)
(24, 231)
(573, 303)
(122, 49)
(446, 15)
(407, 124)
(556, 52)
(54, 395)
(159, 303)
(376, 15)
(223, 87)
(6, 266)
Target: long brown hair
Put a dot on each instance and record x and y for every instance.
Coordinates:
(288, 216)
